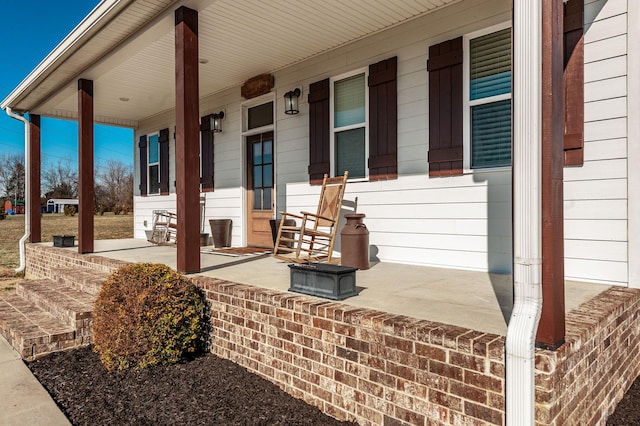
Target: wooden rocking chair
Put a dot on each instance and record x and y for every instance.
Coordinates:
(164, 228)
(313, 239)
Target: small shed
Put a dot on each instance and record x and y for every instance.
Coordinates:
(57, 205)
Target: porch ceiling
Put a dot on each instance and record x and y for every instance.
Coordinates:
(127, 48)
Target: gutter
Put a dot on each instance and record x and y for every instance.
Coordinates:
(27, 186)
(527, 214)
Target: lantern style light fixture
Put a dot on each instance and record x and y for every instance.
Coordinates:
(216, 122)
(291, 101)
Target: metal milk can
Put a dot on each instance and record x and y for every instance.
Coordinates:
(355, 242)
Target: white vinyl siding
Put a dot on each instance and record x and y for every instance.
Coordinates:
(596, 206)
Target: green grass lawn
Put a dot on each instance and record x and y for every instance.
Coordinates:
(108, 226)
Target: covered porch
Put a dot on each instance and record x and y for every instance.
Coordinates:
(471, 299)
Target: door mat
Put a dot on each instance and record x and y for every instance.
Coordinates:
(237, 251)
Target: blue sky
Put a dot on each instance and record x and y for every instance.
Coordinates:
(32, 29)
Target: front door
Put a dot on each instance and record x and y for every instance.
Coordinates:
(259, 189)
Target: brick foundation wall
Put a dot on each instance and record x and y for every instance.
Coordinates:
(379, 368)
(582, 382)
(359, 364)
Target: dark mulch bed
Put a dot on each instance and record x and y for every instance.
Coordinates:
(628, 409)
(205, 391)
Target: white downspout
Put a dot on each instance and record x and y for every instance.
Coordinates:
(527, 223)
(27, 186)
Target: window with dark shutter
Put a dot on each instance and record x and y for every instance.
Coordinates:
(163, 144)
(206, 154)
(142, 146)
(445, 108)
(319, 149)
(573, 80)
(153, 159)
(348, 134)
(383, 120)
(489, 100)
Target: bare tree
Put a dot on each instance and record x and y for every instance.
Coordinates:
(12, 176)
(114, 187)
(60, 180)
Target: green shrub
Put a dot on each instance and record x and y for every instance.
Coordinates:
(147, 314)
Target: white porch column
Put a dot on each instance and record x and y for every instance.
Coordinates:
(527, 246)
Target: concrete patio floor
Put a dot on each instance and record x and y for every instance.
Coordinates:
(471, 299)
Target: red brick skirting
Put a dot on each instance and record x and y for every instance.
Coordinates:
(582, 382)
(379, 368)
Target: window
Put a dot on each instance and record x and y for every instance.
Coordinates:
(470, 84)
(260, 116)
(488, 99)
(353, 123)
(154, 164)
(206, 154)
(349, 124)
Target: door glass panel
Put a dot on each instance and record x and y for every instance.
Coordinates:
(257, 199)
(268, 151)
(257, 153)
(261, 167)
(268, 175)
(257, 177)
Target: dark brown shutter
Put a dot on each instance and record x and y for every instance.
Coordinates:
(383, 120)
(142, 145)
(573, 80)
(206, 154)
(319, 161)
(445, 108)
(163, 142)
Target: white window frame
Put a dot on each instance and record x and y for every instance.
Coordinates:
(333, 130)
(264, 99)
(149, 164)
(468, 104)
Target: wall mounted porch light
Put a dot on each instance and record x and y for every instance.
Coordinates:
(291, 101)
(216, 122)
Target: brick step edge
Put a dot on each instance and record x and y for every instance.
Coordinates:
(71, 306)
(33, 332)
(87, 280)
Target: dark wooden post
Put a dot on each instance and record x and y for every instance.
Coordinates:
(85, 166)
(551, 329)
(34, 176)
(187, 140)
